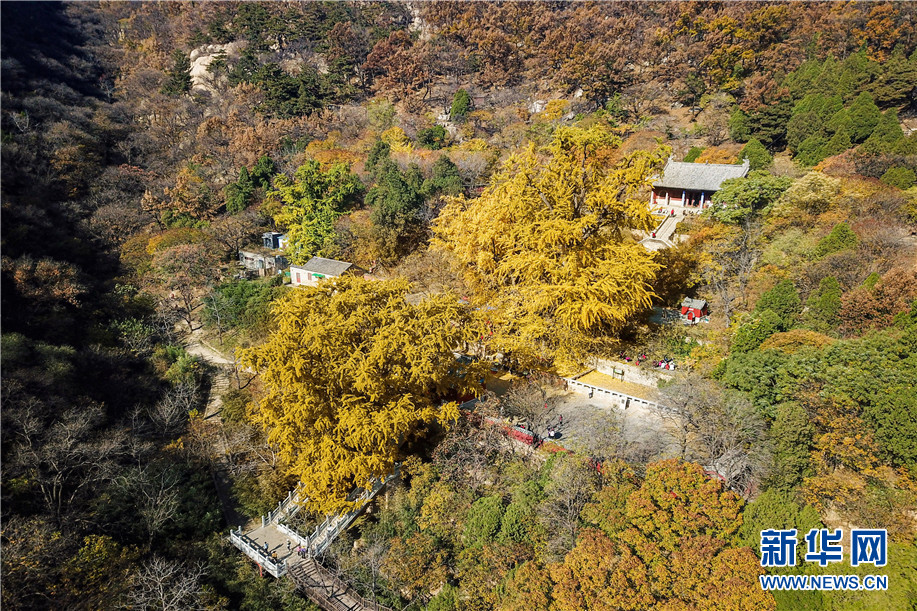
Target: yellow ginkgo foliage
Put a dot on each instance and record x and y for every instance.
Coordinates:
(350, 372)
(548, 246)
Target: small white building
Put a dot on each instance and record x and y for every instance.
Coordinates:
(318, 268)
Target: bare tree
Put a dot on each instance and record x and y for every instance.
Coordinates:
(716, 428)
(728, 267)
(154, 490)
(166, 585)
(185, 270)
(219, 311)
(573, 483)
(170, 413)
(234, 231)
(532, 402)
(599, 434)
(470, 448)
(66, 456)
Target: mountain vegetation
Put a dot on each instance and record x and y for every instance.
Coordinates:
(487, 169)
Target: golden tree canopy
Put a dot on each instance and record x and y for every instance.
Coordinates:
(547, 247)
(350, 371)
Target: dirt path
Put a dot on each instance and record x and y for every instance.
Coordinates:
(220, 464)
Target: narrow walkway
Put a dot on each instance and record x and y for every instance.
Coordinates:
(326, 590)
(219, 455)
(280, 550)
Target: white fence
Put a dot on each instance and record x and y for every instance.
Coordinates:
(250, 548)
(620, 399)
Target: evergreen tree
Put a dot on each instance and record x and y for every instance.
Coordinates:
(792, 435)
(864, 115)
(753, 333)
(445, 180)
(263, 171)
(899, 177)
(758, 156)
(739, 129)
(395, 202)
(811, 150)
(769, 125)
(895, 83)
(179, 77)
(886, 134)
(856, 72)
(838, 121)
(782, 300)
(838, 143)
(801, 126)
(461, 105)
(433, 137)
(379, 152)
(840, 238)
(239, 194)
(823, 305)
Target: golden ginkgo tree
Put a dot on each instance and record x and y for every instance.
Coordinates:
(548, 248)
(350, 372)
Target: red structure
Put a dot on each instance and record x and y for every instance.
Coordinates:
(694, 310)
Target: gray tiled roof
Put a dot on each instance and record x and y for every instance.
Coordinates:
(693, 303)
(327, 267)
(699, 176)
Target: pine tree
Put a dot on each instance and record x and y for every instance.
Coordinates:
(739, 129)
(864, 115)
(461, 105)
(179, 77)
(263, 171)
(885, 136)
(380, 151)
(838, 143)
(823, 305)
(445, 180)
(840, 238)
(758, 156)
(239, 193)
(782, 300)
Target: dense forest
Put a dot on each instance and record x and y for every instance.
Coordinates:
(489, 167)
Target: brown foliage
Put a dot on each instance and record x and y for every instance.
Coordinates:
(863, 309)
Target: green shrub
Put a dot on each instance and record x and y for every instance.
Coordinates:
(753, 333)
(484, 520)
(758, 156)
(840, 238)
(693, 154)
(433, 137)
(782, 300)
(899, 177)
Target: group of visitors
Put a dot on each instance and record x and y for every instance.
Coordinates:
(642, 357)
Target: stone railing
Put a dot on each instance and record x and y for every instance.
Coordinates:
(624, 400)
(250, 548)
(283, 508)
